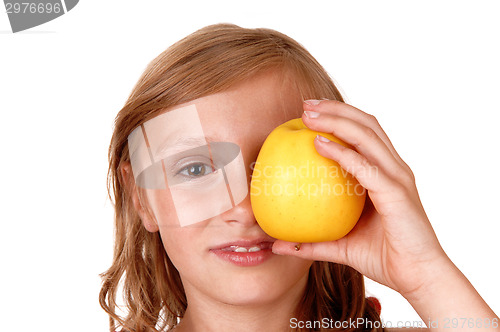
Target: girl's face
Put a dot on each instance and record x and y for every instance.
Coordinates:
(207, 254)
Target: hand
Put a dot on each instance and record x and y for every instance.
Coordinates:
(393, 243)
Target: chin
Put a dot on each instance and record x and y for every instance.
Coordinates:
(257, 289)
(252, 295)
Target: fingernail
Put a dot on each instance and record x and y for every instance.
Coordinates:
(311, 114)
(312, 102)
(322, 138)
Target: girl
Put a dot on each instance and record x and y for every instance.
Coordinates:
(189, 259)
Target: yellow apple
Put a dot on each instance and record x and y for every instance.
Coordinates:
(298, 195)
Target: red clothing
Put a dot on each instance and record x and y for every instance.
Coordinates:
(374, 303)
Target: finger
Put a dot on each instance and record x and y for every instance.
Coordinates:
(368, 175)
(362, 138)
(334, 251)
(339, 108)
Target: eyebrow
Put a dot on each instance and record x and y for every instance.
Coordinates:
(189, 141)
(185, 142)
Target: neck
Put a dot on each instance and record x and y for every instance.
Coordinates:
(206, 314)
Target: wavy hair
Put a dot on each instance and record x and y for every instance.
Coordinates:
(209, 61)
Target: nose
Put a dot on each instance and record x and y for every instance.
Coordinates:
(242, 214)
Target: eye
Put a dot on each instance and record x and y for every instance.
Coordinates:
(196, 170)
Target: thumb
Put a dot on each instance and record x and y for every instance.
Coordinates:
(334, 251)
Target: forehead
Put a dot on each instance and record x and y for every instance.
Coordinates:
(251, 108)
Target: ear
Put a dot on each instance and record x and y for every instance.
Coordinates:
(129, 183)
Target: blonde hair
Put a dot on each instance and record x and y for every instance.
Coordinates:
(208, 61)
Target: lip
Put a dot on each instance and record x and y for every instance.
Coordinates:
(244, 259)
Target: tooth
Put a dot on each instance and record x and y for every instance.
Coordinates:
(253, 249)
(240, 249)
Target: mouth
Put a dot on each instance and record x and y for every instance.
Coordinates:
(247, 248)
(245, 253)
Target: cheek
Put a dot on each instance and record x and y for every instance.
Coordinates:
(182, 246)
(177, 246)
(162, 207)
(194, 203)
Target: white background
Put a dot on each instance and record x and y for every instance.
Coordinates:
(429, 71)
